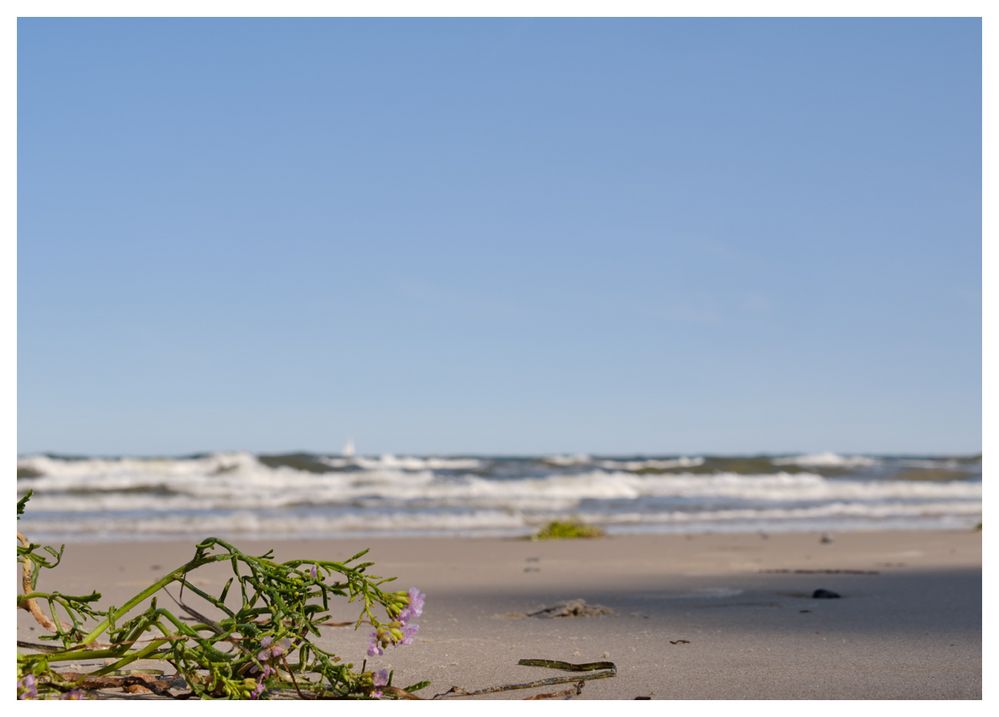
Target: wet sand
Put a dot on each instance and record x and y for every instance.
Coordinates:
(692, 617)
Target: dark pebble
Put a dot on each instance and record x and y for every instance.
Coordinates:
(822, 594)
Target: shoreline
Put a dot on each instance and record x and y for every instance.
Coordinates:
(612, 532)
(698, 616)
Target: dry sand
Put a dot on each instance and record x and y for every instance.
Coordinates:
(694, 617)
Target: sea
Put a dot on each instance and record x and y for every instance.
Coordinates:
(316, 495)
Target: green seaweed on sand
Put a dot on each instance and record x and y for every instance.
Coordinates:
(261, 639)
(568, 529)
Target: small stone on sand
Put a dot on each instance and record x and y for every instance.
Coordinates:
(571, 608)
(823, 594)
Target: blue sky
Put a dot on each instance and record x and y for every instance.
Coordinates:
(499, 236)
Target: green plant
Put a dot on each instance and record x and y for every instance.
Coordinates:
(261, 639)
(567, 529)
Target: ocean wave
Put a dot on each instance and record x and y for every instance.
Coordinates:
(495, 522)
(400, 494)
(254, 524)
(266, 488)
(826, 460)
(650, 464)
(130, 468)
(414, 463)
(831, 510)
(578, 459)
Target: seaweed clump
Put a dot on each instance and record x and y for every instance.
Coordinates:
(568, 530)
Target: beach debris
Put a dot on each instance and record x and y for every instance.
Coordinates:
(598, 670)
(679, 642)
(132, 683)
(573, 691)
(571, 608)
(825, 539)
(823, 594)
(567, 530)
(568, 666)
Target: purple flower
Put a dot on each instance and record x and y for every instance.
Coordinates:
(73, 695)
(270, 652)
(401, 631)
(284, 644)
(415, 606)
(27, 688)
(379, 679)
(416, 598)
(313, 571)
(408, 632)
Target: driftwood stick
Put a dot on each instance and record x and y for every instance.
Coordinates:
(568, 666)
(30, 604)
(90, 682)
(561, 694)
(460, 692)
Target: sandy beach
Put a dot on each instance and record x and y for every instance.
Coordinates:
(691, 617)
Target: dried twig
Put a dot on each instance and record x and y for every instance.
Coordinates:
(607, 669)
(561, 694)
(30, 604)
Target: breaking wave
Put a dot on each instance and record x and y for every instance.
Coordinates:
(241, 493)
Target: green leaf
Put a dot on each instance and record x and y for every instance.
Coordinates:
(23, 502)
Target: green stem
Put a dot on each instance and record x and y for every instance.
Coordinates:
(144, 652)
(170, 577)
(85, 654)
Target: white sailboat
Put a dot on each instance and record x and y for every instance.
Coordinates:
(348, 448)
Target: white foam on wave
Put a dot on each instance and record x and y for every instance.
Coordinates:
(130, 468)
(412, 494)
(839, 509)
(259, 487)
(415, 463)
(651, 463)
(251, 523)
(826, 460)
(578, 459)
(801, 486)
(493, 522)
